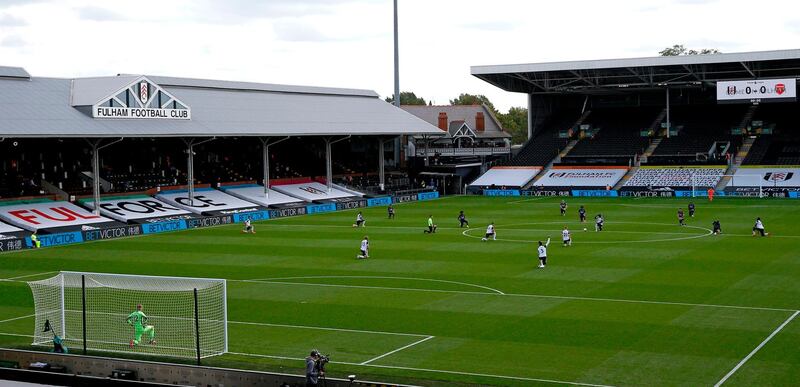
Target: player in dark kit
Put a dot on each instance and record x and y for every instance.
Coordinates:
(462, 219)
(691, 210)
(390, 210)
(563, 208)
(717, 228)
(582, 214)
(681, 219)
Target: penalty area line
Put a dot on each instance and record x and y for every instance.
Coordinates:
(17, 318)
(756, 349)
(397, 350)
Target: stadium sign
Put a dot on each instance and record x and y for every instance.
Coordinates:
(130, 209)
(581, 177)
(207, 200)
(758, 90)
(37, 216)
(141, 99)
(766, 177)
(540, 192)
(288, 211)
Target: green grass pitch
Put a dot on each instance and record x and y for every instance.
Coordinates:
(644, 302)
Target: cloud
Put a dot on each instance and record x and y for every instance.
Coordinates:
(99, 14)
(297, 31)
(7, 20)
(494, 26)
(13, 41)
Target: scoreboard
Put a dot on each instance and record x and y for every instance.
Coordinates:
(757, 91)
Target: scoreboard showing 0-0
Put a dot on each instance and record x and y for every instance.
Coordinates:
(757, 90)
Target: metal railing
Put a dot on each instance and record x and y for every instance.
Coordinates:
(477, 151)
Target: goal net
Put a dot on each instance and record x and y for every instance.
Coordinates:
(94, 310)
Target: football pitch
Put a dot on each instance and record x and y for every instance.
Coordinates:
(644, 302)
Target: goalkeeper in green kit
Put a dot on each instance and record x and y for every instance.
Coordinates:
(138, 319)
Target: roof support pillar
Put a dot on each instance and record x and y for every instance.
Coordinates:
(669, 123)
(396, 61)
(382, 161)
(96, 147)
(265, 144)
(190, 144)
(329, 161)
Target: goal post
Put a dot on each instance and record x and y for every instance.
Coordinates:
(180, 317)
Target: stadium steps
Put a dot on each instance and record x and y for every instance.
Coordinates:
(571, 144)
(621, 182)
(737, 162)
(650, 149)
(658, 120)
(748, 116)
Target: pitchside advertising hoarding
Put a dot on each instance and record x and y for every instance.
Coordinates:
(45, 215)
(207, 201)
(757, 90)
(135, 208)
(11, 238)
(581, 177)
(766, 177)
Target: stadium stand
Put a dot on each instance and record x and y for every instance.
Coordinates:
(698, 129)
(547, 143)
(312, 190)
(618, 137)
(659, 177)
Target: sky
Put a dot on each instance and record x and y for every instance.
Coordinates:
(348, 43)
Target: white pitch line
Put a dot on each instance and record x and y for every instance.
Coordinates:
(382, 277)
(397, 350)
(505, 377)
(327, 329)
(523, 295)
(14, 279)
(753, 352)
(17, 318)
(529, 200)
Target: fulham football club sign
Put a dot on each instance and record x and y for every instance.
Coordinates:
(142, 99)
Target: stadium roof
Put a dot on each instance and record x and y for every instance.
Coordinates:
(604, 75)
(145, 106)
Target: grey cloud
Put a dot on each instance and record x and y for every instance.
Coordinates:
(13, 41)
(98, 14)
(7, 20)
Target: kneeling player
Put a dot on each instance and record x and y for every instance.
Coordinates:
(248, 227)
(490, 233)
(582, 214)
(563, 208)
(759, 228)
(462, 219)
(364, 248)
(360, 222)
(691, 210)
(717, 228)
(681, 219)
(138, 319)
(431, 227)
(390, 210)
(566, 237)
(598, 223)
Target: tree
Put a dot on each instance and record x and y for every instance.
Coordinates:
(680, 49)
(515, 122)
(472, 99)
(408, 98)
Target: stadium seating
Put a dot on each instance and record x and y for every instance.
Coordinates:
(698, 128)
(676, 177)
(546, 144)
(619, 135)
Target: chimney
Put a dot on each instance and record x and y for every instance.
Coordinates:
(443, 121)
(480, 122)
